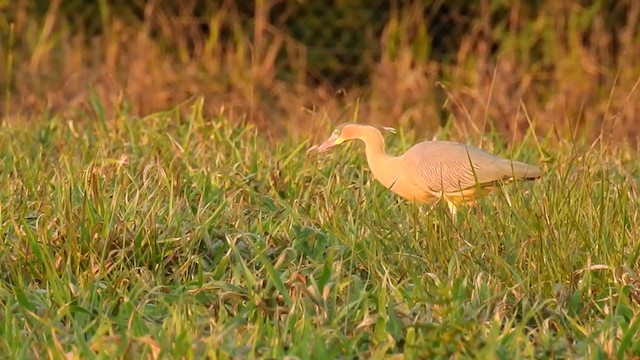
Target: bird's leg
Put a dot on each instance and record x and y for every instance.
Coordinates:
(452, 208)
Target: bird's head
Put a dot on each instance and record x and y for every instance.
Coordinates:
(349, 131)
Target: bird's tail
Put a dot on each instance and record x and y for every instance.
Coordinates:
(525, 171)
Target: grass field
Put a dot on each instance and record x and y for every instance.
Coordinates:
(177, 236)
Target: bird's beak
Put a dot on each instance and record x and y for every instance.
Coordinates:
(332, 141)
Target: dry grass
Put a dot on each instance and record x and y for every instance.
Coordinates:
(562, 67)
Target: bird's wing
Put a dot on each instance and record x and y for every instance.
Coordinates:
(442, 167)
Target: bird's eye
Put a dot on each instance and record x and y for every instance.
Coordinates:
(336, 132)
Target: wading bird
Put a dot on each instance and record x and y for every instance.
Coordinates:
(431, 171)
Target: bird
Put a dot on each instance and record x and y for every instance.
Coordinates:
(432, 171)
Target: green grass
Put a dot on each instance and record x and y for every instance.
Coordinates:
(184, 236)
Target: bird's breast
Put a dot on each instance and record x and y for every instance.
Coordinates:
(408, 190)
(394, 173)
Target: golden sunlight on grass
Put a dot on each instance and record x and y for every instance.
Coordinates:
(158, 198)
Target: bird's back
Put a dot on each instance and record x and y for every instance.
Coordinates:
(446, 166)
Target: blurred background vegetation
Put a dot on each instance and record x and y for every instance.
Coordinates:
(563, 67)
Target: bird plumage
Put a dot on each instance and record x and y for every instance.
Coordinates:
(434, 170)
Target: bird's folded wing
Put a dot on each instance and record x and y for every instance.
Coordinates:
(454, 176)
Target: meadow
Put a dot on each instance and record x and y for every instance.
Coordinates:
(157, 199)
(185, 236)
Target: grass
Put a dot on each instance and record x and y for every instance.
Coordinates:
(172, 236)
(288, 65)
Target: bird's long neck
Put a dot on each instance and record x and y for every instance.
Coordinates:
(374, 143)
(381, 164)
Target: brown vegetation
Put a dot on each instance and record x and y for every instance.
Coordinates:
(569, 69)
